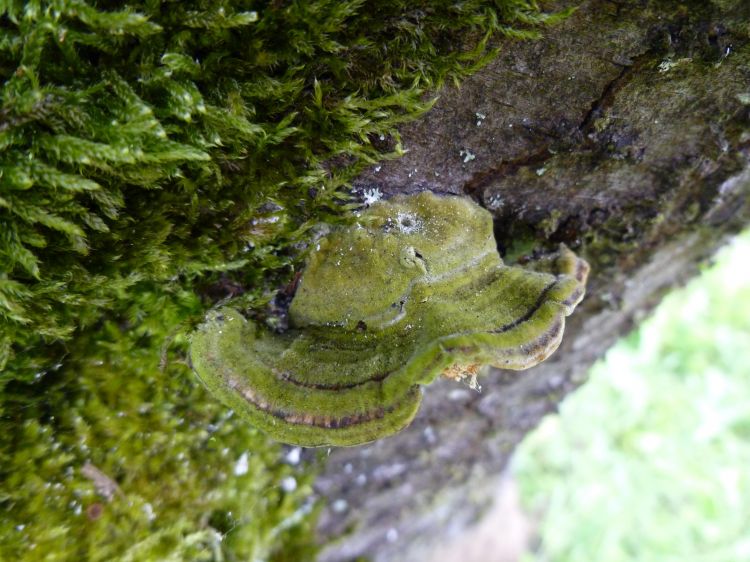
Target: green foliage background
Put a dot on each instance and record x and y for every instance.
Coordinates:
(155, 157)
(648, 461)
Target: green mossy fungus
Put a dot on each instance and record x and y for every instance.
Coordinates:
(415, 287)
(156, 157)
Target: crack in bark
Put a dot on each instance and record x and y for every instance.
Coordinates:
(610, 91)
(473, 186)
(480, 180)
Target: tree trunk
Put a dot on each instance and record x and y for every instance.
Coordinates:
(624, 133)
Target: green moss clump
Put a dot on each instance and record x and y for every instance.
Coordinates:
(133, 464)
(156, 157)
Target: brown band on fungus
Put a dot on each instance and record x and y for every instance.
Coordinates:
(288, 377)
(528, 314)
(312, 420)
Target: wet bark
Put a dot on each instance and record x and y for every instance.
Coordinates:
(624, 133)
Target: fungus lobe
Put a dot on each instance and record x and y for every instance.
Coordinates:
(413, 289)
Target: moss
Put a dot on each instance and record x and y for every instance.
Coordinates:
(156, 158)
(133, 464)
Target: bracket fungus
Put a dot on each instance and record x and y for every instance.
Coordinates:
(414, 289)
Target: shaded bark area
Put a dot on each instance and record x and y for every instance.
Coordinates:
(624, 133)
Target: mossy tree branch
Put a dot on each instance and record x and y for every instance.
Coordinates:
(154, 159)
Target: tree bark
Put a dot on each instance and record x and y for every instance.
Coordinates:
(624, 133)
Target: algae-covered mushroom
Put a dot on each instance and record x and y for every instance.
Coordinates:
(413, 289)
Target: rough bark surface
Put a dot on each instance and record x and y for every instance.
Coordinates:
(624, 133)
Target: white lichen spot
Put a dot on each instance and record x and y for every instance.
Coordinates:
(293, 456)
(480, 118)
(495, 202)
(241, 466)
(408, 223)
(265, 220)
(148, 511)
(458, 394)
(388, 472)
(668, 64)
(360, 480)
(339, 506)
(467, 155)
(370, 196)
(541, 171)
(289, 484)
(429, 435)
(378, 168)
(391, 535)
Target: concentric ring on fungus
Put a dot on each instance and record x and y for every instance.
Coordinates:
(383, 308)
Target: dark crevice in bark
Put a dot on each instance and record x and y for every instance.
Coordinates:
(474, 186)
(576, 138)
(607, 97)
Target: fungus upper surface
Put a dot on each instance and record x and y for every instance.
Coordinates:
(415, 288)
